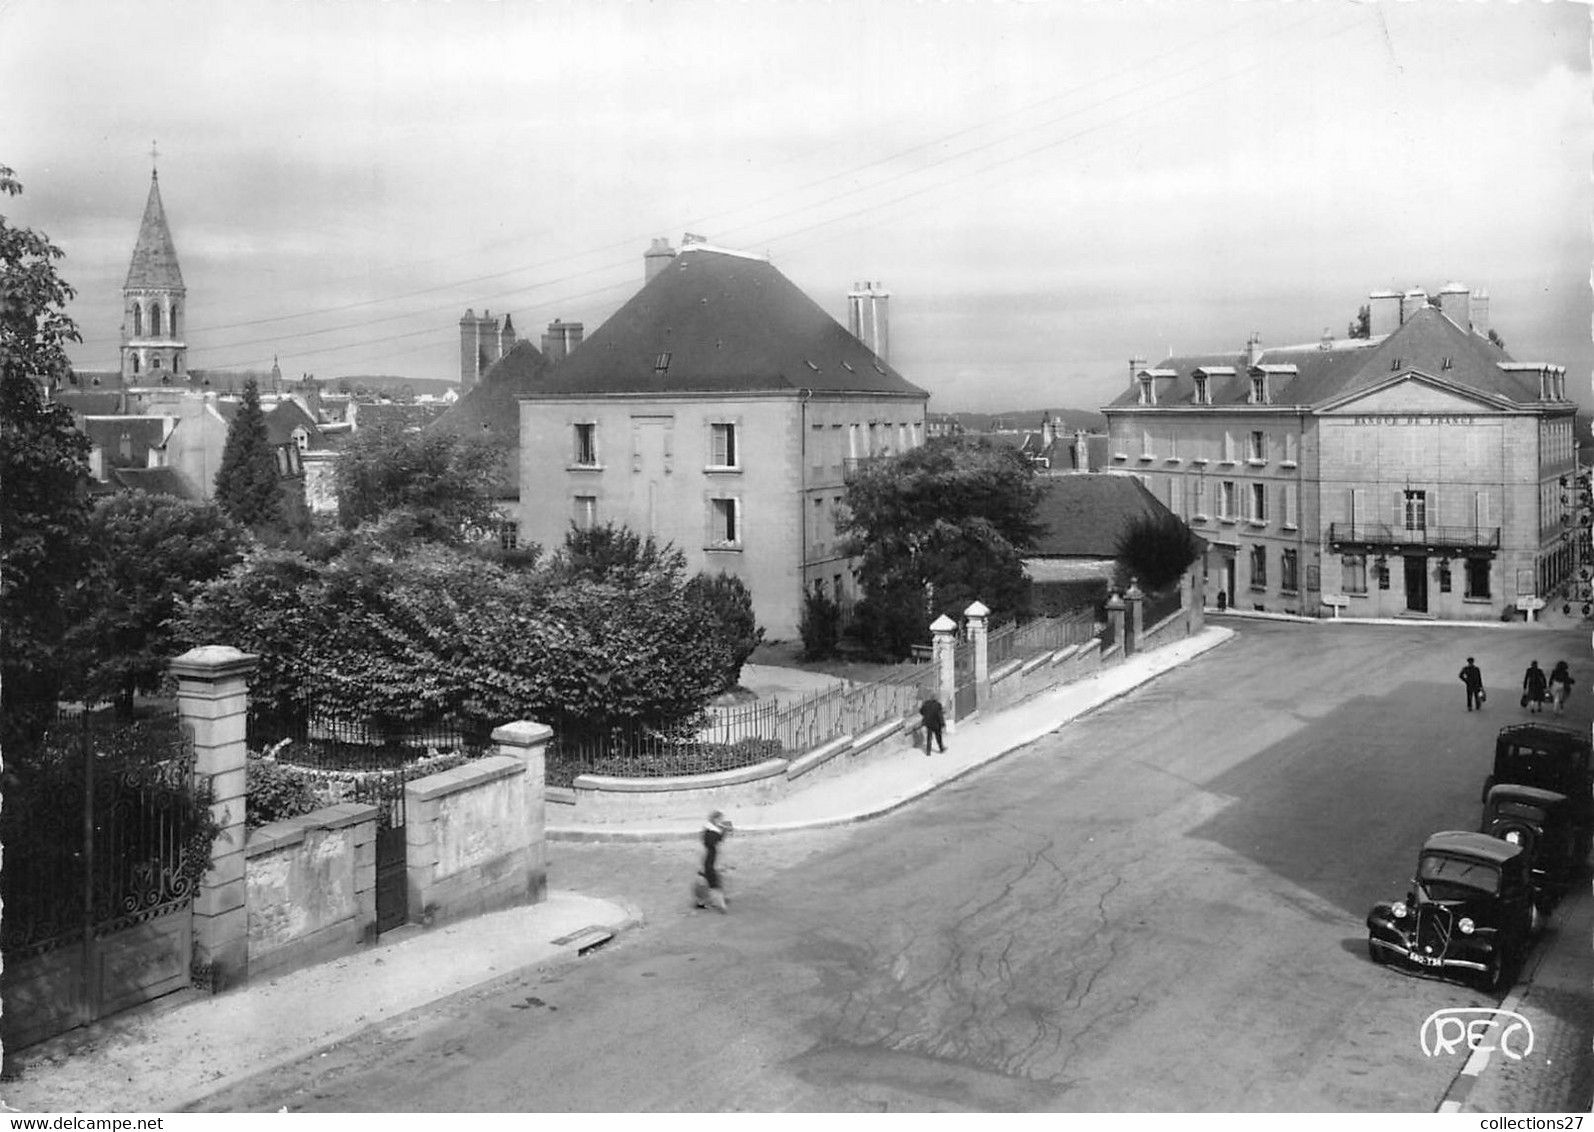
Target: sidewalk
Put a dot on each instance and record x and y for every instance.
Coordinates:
(887, 780)
(182, 1048)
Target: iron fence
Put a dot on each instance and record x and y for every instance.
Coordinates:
(103, 828)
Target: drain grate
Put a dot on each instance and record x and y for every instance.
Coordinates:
(585, 940)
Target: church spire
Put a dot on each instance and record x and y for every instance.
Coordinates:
(154, 301)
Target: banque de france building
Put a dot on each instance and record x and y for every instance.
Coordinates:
(1418, 472)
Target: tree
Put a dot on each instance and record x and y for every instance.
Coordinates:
(1496, 339)
(1157, 549)
(1362, 325)
(247, 487)
(440, 483)
(821, 625)
(44, 472)
(150, 551)
(937, 528)
(726, 604)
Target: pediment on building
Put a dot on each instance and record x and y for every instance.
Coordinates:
(1414, 392)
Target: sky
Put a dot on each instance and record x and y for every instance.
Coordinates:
(1047, 189)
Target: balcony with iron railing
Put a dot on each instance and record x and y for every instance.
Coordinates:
(1433, 539)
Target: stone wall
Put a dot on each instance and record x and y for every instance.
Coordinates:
(310, 887)
(469, 841)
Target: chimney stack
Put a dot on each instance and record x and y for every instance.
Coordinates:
(656, 258)
(1411, 302)
(868, 317)
(561, 339)
(1384, 313)
(1480, 313)
(1135, 366)
(1253, 349)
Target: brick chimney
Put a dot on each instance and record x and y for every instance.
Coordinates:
(1411, 302)
(1384, 316)
(561, 339)
(656, 258)
(1480, 313)
(1253, 349)
(868, 317)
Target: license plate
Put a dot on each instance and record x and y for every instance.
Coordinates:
(1427, 960)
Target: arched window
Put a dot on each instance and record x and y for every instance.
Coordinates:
(174, 320)
(135, 363)
(155, 321)
(138, 322)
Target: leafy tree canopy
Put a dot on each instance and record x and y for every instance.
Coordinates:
(937, 528)
(149, 552)
(439, 483)
(1157, 549)
(43, 466)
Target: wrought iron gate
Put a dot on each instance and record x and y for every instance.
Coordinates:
(105, 842)
(964, 691)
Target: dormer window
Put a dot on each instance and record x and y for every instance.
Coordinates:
(1203, 390)
(661, 364)
(1148, 391)
(1259, 389)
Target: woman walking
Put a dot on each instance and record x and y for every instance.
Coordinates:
(710, 889)
(1560, 686)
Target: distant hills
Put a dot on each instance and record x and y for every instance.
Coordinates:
(1028, 420)
(392, 385)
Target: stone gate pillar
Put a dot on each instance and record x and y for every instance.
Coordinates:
(528, 742)
(1136, 600)
(213, 699)
(1115, 621)
(979, 640)
(945, 630)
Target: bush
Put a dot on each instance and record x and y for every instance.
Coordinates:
(821, 625)
(1157, 549)
(727, 604)
(276, 792)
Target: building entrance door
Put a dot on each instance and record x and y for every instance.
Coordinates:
(1416, 584)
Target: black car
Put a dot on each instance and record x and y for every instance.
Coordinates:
(1542, 823)
(1470, 912)
(1552, 758)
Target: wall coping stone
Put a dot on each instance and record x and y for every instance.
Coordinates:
(1006, 670)
(522, 733)
(559, 795)
(818, 756)
(1065, 653)
(474, 773)
(767, 769)
(862, 743)
(1033, 663)
(291, 831)
(213, 663)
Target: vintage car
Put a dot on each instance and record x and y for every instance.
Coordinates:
(1542, 822)
(1469, 914)
(1551, 758)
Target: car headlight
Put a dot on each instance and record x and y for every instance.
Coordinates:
(1399, 910)
(1514, 837)
(1466, 925)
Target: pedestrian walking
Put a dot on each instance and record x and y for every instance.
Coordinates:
(1472, 677)
(1533, 687)
(710, 889)
(1560, 686)
(934, 721)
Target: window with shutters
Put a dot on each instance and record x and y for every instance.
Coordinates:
(1259, 567)
(1289, 567)
(1176, 495)
(722, 446)
(1414, 510)
(586, 439)
(1292, 506)
(725, 523)
(1353, 573)
(1258, 503)
(1256, 448)
(584, 512)
(1228, 447)
(1292, 449)
(1226, 501)
(1198, 498)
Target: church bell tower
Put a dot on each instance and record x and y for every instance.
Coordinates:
(153, 303)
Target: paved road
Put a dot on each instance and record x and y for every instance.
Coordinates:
(1158, 907)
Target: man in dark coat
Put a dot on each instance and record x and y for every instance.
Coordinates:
(934, 721)
(1534, 687)
(1473, 679)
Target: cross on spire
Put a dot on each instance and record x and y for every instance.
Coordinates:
(154, 155)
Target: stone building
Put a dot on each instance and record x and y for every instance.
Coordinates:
(721, 410)
(1418, 472)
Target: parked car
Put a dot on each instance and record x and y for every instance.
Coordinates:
(1542, 822)
(1552, 758)
(1469, 914)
